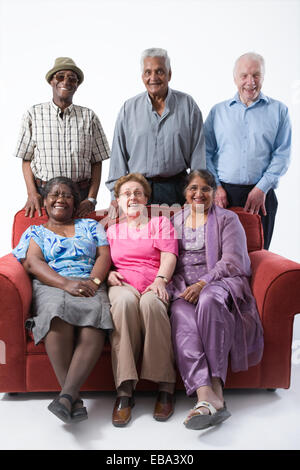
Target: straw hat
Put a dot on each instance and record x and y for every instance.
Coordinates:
(65, 63)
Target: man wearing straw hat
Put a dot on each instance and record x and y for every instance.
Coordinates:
(59, 138)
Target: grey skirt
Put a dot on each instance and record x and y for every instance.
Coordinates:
(49, 302)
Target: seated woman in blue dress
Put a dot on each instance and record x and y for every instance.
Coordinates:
(69, 260)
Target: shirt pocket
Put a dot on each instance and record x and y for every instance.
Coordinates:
(83, 146)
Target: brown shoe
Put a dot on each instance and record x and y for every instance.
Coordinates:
(122, 411)
(164, 406)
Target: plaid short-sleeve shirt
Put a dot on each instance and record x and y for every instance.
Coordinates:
(61, 145)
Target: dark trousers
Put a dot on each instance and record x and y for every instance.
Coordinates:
(167, 190)
(237, 196)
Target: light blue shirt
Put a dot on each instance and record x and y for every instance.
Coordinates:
(155, 145)
(248, 145)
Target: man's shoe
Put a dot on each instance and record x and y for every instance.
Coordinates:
(122, 411)
(164, 406)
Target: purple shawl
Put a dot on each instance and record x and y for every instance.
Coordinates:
(228, 261)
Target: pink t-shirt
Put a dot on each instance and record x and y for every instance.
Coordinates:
(136, 252)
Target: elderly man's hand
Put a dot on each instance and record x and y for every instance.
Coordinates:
(34, 203)
(256, 201)
(221, 197)
(85, 208)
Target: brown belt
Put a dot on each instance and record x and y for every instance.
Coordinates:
(162, 179)
(81, 184)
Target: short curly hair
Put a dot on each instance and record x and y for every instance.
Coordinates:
(138, 178)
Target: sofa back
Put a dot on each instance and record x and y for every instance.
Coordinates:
(250, 222)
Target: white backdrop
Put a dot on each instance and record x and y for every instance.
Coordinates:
(106, 37)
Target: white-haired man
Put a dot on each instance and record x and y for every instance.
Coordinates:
(248, 141)
(158, 133)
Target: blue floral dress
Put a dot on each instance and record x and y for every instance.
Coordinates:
(70, 257)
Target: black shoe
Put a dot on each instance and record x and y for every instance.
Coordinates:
(60, 410)
(78, 414)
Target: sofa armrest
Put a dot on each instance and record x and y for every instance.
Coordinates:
(276, 287)
(13, 273)
(276, 281)
(15, 295)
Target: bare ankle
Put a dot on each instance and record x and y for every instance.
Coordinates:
(217, 386)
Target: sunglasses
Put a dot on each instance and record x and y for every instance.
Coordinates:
(60, 77)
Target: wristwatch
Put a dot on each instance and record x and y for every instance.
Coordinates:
(164, 279)
(96, 280)
(92, 200)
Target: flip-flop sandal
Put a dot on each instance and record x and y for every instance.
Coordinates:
(199, 420)
(79, 414)
(60, 410)
(220, 416)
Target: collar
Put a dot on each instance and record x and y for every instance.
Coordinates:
(57, 109)
(167, 99)
(236, 99)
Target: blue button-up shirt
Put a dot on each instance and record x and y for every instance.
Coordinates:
(248, 145)
(155, 145)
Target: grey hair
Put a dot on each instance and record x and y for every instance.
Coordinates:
(156, 52)
(251, 56)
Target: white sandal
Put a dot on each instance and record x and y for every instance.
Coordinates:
(199, 420)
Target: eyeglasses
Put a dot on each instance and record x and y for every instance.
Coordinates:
(204, 189)
(63, 195)
(135, 193)
(60, 77)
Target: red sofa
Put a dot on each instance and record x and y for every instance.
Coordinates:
(275, 282)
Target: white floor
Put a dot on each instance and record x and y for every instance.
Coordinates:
(260, 420)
